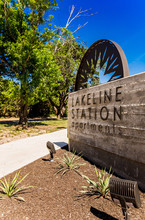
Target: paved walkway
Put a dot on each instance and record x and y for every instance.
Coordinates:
(16, 154)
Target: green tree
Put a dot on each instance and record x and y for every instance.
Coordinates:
(24, 54)
(68, 58)
(68, 52)
(9, 97)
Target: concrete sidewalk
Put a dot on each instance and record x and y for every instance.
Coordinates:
(16, 154)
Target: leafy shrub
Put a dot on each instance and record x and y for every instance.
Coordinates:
(11, 189)
(100, 187)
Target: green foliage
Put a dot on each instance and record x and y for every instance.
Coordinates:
(24, 55)
(42, 58)
(12, 189)
(67, 54)
(9, 97)
(101, 186)
(68, 163)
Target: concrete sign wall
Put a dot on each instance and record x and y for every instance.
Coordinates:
(107, 124)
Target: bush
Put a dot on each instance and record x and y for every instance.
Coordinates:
(100, 187)
(68, 163)
(11, 189)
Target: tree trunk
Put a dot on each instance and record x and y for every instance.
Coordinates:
(23, 102)
(58, 108)
(23, 115)
(58, 113)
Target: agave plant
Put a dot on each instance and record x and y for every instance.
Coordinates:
(100, 187)
(12, 189)
(68, 163)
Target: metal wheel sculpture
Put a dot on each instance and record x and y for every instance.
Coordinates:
(103, 55)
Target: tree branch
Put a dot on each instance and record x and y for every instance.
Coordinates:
(6, 62)
(79, 27)
(80, 13)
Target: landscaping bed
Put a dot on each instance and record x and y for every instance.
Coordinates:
(58, 197)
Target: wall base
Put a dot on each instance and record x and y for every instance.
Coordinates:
(123, 167)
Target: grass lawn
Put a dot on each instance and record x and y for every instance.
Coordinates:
(9, 129)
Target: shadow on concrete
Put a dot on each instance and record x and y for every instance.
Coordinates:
(61, 144)
(101, 215)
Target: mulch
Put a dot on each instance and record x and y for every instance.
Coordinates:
(58, 197)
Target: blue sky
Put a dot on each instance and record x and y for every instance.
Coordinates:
(122, 21)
